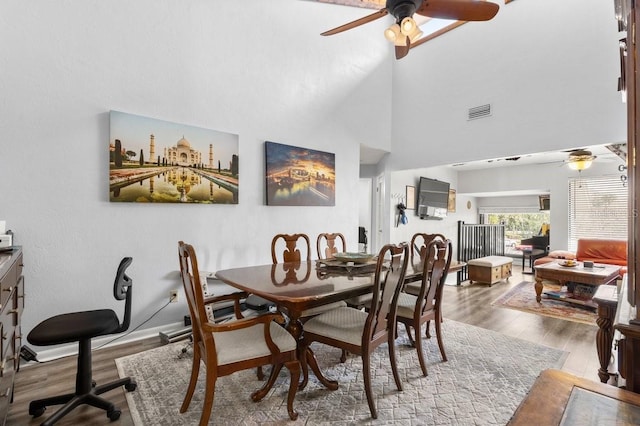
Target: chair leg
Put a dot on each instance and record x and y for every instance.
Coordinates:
(392, 359)
(408, 329)
(262, 392)
(426, 332)
(343, 356)
(193, 381)
(366, 370)
(439, 337)
(294, 371)
(209, 390)
(423, 365)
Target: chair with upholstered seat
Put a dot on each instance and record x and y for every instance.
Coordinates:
(420, 241)
(417, 309)
(236, 345)
(359, 332)
(81, 327)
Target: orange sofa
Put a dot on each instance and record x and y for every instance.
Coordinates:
(611, 252)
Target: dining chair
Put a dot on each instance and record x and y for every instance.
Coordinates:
(327, 245)
(414, 310)
(235, 345)
(420, 241)
(292, 248)
(360, 332)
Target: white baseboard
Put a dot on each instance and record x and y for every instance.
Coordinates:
(72, 348)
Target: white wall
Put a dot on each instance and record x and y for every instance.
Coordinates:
(64, 65)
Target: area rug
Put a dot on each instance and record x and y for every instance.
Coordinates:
(484, 380)
(523, 298)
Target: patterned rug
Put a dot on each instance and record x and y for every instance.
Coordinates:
(523, 298)
(486, 377)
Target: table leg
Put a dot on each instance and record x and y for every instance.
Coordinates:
(538, 286)
(296, 329)
(604, 339)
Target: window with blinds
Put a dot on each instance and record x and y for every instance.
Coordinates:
(597, 209)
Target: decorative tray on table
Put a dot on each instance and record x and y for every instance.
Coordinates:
(353, 257)
(365, 264)
(568, 263)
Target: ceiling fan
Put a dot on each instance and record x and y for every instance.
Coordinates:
(405, 31)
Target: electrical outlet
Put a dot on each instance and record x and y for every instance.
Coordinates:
(173, 296)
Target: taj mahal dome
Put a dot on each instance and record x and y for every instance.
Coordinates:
(182, 154)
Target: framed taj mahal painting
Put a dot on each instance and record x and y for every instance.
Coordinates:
(155, 161)
(299, 176)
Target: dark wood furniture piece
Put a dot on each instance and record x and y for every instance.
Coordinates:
(328, 244)
(627, 338)
(415, 310)
(595, 276)
(628, 317)
(359, 332)
(82, 327)
(11, 307)
(236, 345)
(558, 397)
(291, 253)
(419, 243)
(606, 297)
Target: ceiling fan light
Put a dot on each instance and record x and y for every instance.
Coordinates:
(416, 35)
(580, 160)
(392, 33)
(408, 26)
(580, 164)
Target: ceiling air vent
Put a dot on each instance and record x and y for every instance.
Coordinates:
(479, 112)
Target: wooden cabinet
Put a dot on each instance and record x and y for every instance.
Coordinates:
(11, 306)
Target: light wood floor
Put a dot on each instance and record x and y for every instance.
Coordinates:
(467, 303)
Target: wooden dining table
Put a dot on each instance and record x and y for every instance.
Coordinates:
(299, 286)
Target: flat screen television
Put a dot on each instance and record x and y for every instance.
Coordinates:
(433, 198)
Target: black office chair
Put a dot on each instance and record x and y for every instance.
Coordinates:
(82, 327)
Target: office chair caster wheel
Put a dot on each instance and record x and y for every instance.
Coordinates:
(114, 414)
(36, 411)
(130, 387)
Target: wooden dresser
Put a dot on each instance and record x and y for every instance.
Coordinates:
(11, 306)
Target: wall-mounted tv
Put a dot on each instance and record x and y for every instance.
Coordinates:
(433, 198)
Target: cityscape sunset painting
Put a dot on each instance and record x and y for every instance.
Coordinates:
(299, 176)
(155, 161)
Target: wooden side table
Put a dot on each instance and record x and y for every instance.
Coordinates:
(606, 297)
(558, 397)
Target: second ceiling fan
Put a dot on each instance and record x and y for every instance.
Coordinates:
(405, 30)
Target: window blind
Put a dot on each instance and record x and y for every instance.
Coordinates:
(597, 209)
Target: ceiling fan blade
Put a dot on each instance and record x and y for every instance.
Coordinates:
(377, 15)
(402, 51)
(460, 10)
